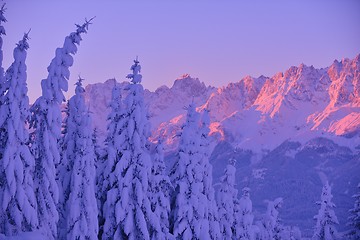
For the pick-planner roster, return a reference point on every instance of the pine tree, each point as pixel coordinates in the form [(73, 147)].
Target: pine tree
[(62, 174), (227, 201), (190, 203), (127, 208), (100, 157), (80, 204), (245, 216), (354, 219), (99, 153), (114, 142), (2, 32), (271, 223), (160, 190), (17, 198), (212, 213), (46, 122), (326, 218)]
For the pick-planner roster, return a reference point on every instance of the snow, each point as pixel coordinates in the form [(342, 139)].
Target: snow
[(77, 173), (326, 218), (194, 201), (128, 170), (46, 130), (36, 235), (288, 132), (18, 204)]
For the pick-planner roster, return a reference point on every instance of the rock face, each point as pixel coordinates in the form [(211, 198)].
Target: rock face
[(290, 131)]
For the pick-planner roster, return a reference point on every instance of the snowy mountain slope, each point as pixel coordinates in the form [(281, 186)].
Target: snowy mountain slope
[(234, 97), (167, 103), (294, 171), (301, 103), (341, 114)]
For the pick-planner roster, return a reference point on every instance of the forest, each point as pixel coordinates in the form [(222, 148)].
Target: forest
[(59, 181)]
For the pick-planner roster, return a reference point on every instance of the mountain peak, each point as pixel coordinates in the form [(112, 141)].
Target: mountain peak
[(190, 86)]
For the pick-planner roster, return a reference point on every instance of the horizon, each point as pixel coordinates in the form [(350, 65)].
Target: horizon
[(216, 43)]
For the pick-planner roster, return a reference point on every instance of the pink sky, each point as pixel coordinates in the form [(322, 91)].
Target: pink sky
[(216, 41)]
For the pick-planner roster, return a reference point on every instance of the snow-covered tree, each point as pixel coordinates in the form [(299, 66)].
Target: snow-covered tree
[(354, 219), (245, 216), (99, 164), (227, 201), (99, 151), (46, 124), (2, 32), (114, 141), (17, 198), (212, 213), (271, 227), (326, 218), (80, 205), (127, 209), (191, 203), (160, 190), (100, 157), (62, 174)]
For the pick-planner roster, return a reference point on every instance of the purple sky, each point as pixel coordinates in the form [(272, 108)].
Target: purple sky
[(216, 41)]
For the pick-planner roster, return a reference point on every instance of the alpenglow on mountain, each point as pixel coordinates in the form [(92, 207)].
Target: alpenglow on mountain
[(289, 132), (301, 103)]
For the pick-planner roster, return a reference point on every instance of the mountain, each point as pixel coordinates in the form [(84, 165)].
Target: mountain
[(289, 132), (164, 105)]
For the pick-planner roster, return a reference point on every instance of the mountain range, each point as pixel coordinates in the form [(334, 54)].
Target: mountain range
[(289, 133)]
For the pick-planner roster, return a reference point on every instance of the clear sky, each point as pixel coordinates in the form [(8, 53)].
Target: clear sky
[(216, 41)]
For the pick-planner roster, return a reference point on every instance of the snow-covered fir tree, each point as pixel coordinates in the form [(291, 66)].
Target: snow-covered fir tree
[(80, 205), (212, 213), (354, 218), (17, 198), (227, 201), (245, 216), (190, 203), (106, 180), (2, 32), (46, 124), (100, 157), (99, 151), (271, 227), (326, 218), (160, 190), (127, 209), (62, 174)]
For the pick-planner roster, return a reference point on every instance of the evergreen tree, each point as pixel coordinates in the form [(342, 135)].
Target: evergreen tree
[(227, 201), (245, 216), (127, 209), (80, 204), (114, 142), (354, 219), (46, 122), (99, 165), (212, 213), (326, 218), (99, 153), (160, 190), (271, 224), (62, 173), (2, 32), (190, 203), (17, 198)]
